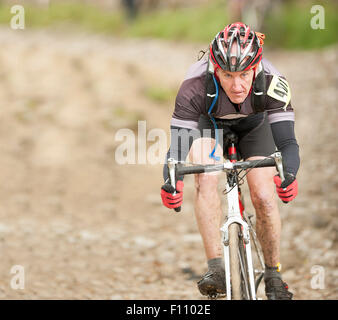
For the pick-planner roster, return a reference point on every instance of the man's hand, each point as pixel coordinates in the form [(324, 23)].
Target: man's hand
[(287, 190), (169, 200)]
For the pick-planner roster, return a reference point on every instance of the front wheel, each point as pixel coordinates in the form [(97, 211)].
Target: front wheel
[(238, 264), (235, 268)]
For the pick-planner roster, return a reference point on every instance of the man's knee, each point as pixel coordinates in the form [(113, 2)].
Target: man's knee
[(262, 190), (206, 183), (263, 200)]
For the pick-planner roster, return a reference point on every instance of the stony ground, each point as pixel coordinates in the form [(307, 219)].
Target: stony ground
[(84, 227)]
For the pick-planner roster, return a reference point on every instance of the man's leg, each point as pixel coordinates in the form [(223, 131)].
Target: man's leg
[(208, 216), (207, 202), (268, 222), (268, 228)]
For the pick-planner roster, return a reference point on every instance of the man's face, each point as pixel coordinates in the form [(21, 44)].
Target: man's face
[(236, 84)]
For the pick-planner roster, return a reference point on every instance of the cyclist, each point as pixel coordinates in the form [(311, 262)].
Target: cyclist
[(233, 89)]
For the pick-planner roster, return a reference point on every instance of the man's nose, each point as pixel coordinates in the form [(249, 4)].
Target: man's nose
[(236, 84)]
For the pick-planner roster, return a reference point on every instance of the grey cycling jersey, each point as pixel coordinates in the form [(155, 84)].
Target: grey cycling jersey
[(191, 98)]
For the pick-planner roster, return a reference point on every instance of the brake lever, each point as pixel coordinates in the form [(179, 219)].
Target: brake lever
[(171, 168), (279, 164)]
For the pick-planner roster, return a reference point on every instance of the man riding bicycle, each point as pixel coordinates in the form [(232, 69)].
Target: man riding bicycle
[(234, 90)]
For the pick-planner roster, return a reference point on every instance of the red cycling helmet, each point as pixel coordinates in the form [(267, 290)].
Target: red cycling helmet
[(237, 41)]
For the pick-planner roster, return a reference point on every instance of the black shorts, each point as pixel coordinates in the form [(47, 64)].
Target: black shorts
[(253, 132)]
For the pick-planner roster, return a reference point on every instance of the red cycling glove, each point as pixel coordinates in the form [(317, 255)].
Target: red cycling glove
[(169, 200), (287, 190)]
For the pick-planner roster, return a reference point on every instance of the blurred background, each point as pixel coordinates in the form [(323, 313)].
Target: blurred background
[(84, 227)]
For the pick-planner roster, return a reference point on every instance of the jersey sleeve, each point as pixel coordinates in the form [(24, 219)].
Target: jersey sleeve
[(189, 104), (278, 104), (278, 95), (190, 99)]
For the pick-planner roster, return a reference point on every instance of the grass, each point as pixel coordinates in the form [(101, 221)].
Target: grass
[(86, 16), (291, 28), (160, 94), (199, 24), (288, 28)]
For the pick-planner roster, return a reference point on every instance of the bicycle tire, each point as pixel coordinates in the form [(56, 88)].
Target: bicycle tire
[(245, 287), (235, 268)]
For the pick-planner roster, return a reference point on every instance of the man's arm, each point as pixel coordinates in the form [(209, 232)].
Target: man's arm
[(180, 144), (285, 140), (282, 118), (189, 105), (181, 141)]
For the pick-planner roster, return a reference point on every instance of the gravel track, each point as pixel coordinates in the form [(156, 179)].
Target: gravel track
[(84, 227)]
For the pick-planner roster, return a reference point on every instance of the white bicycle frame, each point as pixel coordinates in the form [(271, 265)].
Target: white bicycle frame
[(234, 216)]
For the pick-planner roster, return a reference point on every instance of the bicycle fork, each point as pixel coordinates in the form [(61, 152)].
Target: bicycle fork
[(234, 216)]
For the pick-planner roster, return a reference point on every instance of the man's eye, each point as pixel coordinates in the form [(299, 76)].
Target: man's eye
[(227, 75), (244, 74)]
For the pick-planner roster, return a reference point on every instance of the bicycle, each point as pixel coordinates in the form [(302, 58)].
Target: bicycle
[(242, 278)]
